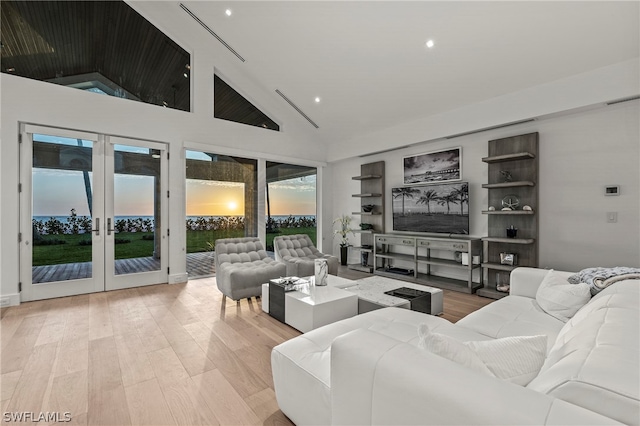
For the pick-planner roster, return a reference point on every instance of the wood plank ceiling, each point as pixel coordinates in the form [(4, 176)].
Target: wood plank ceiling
[(47, 40)]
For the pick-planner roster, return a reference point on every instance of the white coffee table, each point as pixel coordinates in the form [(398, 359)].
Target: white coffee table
[(313, 306)]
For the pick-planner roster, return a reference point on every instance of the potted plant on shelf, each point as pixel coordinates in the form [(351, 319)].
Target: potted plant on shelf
[(343, 231)]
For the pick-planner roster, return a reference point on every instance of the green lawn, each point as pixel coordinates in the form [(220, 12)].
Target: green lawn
[(72, 251)]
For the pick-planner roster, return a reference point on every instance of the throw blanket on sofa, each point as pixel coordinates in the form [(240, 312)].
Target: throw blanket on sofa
[(600, 278)]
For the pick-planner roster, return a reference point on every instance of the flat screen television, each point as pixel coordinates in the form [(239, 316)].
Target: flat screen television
[(441, 208)]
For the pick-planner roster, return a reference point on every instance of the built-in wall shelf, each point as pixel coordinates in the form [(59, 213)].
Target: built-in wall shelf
[(490, 293), (499, 266), (515, 157), (365, 177), (509, 157), (516, 212), (372, 193), (514, 184), (360, 248)]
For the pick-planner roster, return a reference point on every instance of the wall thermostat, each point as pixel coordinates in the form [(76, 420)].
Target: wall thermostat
[(612, 190)]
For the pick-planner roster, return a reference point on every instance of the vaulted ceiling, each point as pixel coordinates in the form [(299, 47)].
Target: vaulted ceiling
[(368, 62)]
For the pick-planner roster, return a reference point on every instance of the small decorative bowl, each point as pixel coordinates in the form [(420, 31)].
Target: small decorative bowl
[(365, 226), (367, 208)]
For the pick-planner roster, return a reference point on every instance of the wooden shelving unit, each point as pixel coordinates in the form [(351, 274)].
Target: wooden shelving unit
[(519, 156), (371, 192)]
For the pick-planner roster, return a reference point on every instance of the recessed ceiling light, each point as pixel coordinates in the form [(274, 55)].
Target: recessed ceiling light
[(185, 75), (430, 43), (317, 99), (228, 12)]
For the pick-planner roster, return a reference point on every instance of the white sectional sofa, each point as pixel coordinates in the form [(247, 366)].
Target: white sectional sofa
[(370, 369)]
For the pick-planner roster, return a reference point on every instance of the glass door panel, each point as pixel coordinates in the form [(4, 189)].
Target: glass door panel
[(290, 201), (221, 203), (60, 217), (136, 210)]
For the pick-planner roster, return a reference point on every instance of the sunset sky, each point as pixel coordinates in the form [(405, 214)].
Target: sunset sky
[(56, 192)]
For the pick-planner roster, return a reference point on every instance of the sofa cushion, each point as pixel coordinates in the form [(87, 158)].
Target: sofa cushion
[(560, 299), (595, 361), (512, 316), (517, 359), (450, 348)]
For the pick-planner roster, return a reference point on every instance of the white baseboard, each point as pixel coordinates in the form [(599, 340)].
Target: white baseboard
[(9, 300), (178, 278)]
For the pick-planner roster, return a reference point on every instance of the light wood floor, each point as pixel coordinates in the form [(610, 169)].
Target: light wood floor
[(164, 354)]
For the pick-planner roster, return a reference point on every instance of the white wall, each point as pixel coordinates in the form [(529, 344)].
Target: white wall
[(580, 153), (31, 101)]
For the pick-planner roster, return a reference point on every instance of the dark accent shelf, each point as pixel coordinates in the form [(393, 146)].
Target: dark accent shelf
[(493, 294), (509, 184), (499, 266), (359, 267), (508, 157), (365, 177), (366, 213), (367, 195), (516, 212), (369, 250)]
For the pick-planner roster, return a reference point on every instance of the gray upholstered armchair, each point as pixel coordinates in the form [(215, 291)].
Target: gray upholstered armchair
[(242, 266), (298, 253)]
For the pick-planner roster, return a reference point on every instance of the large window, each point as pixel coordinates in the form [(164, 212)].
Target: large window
[(221, 203), (100, 46), (232, 106), (290, 201)]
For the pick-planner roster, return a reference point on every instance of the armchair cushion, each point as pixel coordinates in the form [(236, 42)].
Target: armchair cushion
[(242, 266), (298, 253)]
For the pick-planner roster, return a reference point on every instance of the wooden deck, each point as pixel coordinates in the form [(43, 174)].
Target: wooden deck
[(198, 265)]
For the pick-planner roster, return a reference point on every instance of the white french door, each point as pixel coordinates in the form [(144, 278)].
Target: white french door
[(93, 213)]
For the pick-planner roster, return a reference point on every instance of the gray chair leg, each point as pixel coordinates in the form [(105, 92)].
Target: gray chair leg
[(224, 299)]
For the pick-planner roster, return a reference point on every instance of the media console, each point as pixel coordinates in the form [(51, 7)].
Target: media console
[(430, 260)]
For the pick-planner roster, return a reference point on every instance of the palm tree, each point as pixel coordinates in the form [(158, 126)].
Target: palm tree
[(428, 196), (87, 184), (447, 200), (405, 193), (462, 194)]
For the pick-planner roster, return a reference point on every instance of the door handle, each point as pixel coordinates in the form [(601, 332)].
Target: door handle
[(109, 230), (97, 230)]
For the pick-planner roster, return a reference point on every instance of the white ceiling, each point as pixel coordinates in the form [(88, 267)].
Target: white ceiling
[(368, 62)]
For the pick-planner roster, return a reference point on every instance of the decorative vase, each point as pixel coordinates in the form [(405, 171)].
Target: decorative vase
[(343, 254), (364, 258), (321, 269)]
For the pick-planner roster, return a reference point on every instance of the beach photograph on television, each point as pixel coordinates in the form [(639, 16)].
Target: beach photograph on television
[(439, 208), (436, 167)]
